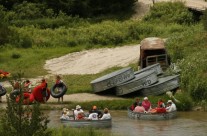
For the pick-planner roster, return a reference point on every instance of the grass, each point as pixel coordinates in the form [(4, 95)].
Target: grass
[(79, 132), (186, 42)]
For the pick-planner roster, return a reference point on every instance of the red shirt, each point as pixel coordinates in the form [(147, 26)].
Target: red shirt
[(161, 110), (146, 105), (43, 84), (159, 103)]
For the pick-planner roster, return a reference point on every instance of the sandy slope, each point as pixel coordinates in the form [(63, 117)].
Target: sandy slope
[(90, 62), (93, 61)]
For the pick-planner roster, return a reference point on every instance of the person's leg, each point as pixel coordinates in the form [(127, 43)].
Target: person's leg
[(44, 99), (62, 98)]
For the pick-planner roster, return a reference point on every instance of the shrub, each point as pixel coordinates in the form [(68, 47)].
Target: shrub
[(186, 103), (27, 10), (204, 20), (26, 42), (15, 55), (23, 120), (170, 12)]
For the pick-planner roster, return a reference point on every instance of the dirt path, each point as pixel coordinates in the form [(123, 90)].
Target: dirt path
[(195, 4), (80, 97)]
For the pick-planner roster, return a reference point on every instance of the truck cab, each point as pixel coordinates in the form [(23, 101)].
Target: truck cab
[(152, 51)]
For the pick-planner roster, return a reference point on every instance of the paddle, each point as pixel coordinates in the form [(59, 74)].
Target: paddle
[(73, 114)]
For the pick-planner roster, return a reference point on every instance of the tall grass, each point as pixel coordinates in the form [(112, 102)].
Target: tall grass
[(79, 132)]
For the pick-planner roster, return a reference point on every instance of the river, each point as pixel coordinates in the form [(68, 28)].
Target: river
[(192, 123)]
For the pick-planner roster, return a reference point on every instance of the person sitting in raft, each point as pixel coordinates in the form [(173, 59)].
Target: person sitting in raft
[(146, 104), (28, 86), (59, 83), (170, 106), (137, 100), (65, 116), (66, 110), (78, 112), (139, 108), (160, 102), (92, 115), (95, 110), (106, 114), (159, 109)]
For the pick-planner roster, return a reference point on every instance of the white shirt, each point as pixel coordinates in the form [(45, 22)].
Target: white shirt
[(106, 116), (93, 116), (76, 112), (64, 116), (172, 107)]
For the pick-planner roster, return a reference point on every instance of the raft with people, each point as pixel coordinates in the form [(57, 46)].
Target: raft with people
[(107, 123), (95, 118), (151, 116)]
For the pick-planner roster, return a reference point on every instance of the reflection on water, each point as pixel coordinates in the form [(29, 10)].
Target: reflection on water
[(187, 123)]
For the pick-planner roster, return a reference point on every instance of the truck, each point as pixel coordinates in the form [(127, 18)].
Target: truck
[(152, 51)]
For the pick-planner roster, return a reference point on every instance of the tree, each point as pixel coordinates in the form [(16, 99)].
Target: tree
[(23, 120)]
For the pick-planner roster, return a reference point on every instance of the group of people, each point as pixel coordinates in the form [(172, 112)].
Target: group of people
[(146, 107), (26, 86), (93, 114)]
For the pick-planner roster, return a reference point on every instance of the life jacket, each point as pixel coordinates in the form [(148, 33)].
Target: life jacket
[(161, 110), (132, 107), (80, 116)]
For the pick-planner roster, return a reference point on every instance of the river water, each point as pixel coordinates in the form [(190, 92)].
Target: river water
[(192, 123)]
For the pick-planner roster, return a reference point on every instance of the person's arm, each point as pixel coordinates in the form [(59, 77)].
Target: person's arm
[(103, 117), (169, 109)]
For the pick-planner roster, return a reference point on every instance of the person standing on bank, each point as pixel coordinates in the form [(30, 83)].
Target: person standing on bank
[(59, 84), (44, 89)]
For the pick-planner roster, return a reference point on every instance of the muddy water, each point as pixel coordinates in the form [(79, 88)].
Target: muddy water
[(186, 124)]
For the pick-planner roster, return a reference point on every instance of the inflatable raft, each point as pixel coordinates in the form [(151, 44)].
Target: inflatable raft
[(2, 90), (38, 94), (28, 98), (58, 91)]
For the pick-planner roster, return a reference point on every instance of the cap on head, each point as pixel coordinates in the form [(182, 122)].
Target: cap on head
[(78, 107), (169, 101), (145, 98)]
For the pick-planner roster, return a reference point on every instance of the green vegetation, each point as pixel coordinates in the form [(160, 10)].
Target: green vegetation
[(78, 132), (18, 120), (185, 103), (26, 42)]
